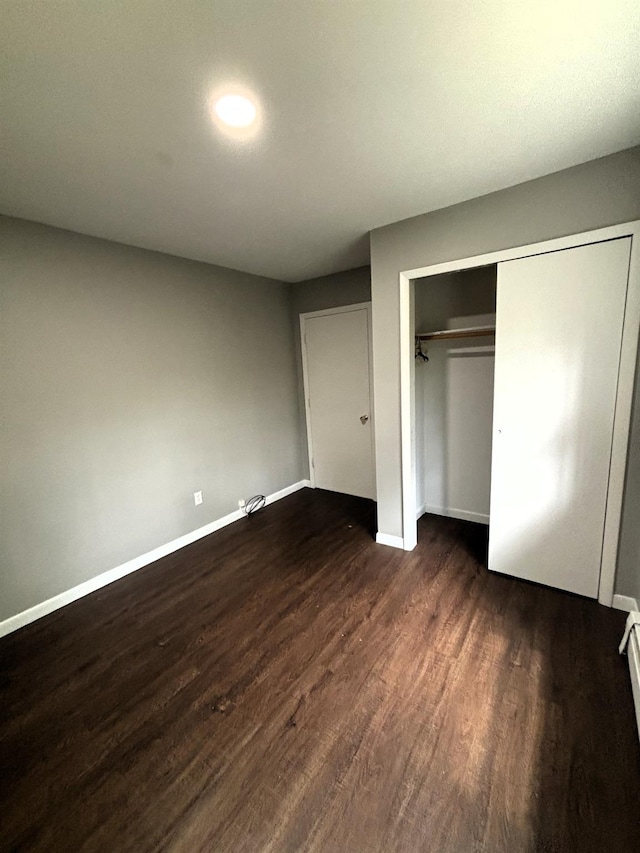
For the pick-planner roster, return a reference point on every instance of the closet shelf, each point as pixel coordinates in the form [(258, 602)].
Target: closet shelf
[(449, 334)]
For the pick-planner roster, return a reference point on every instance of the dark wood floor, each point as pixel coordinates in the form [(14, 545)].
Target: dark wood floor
[(287, 685)]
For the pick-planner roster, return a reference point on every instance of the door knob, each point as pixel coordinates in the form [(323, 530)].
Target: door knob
[(364, 419)]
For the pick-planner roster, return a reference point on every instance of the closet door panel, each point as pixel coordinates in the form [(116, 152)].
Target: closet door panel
[(558, 335)]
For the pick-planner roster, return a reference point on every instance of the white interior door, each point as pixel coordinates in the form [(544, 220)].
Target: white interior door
[(336, 359), (558, 336)]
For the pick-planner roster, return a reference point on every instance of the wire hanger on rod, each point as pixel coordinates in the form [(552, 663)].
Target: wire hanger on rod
[(419, 351)]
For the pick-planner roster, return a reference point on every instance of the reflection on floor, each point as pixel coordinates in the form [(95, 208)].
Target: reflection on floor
[(286, 684)]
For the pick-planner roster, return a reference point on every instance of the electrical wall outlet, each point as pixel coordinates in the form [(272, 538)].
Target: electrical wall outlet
[(242, 503), (197, 498)]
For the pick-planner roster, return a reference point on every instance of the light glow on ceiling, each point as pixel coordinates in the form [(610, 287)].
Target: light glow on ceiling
[(236, 111)]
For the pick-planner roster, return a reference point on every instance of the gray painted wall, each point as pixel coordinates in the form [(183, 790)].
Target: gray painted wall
[(131, 379), (593, 195), (331, 291)]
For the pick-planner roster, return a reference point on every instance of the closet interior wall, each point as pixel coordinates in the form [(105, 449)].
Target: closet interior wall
[(454, 395)]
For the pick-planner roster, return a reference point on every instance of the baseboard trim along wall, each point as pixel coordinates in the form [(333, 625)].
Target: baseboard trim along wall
[(625, 602), (391, 541), (631, 644), (39, 610), (452, 512), (633, 652)]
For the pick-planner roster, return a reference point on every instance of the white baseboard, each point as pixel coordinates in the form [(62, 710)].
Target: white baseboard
[(58, 601), (624, 602), (633, 653), (452, 512), (288, 490), (391, 541)]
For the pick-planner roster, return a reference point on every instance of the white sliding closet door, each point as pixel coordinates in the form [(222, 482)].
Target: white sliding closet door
[(559, 329)]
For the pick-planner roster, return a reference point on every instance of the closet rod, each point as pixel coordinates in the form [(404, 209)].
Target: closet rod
[(449, 334)]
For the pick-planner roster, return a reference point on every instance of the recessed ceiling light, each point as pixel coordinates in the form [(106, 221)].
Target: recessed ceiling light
[(235, 110)]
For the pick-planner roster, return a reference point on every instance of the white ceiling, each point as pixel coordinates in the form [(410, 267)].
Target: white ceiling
[(373, 111)]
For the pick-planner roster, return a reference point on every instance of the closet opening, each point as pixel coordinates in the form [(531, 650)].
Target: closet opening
[(454, 334), (568, 314)]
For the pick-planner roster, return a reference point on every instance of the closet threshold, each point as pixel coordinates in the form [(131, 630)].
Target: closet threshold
[(450, 334)]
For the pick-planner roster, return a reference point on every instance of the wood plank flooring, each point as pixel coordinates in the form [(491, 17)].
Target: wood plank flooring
[(288, 685)]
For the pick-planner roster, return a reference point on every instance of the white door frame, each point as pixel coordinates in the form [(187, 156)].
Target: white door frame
[(343, 309), (624, 394)]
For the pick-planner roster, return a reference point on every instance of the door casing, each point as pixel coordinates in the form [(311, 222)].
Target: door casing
[(624, 394)]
